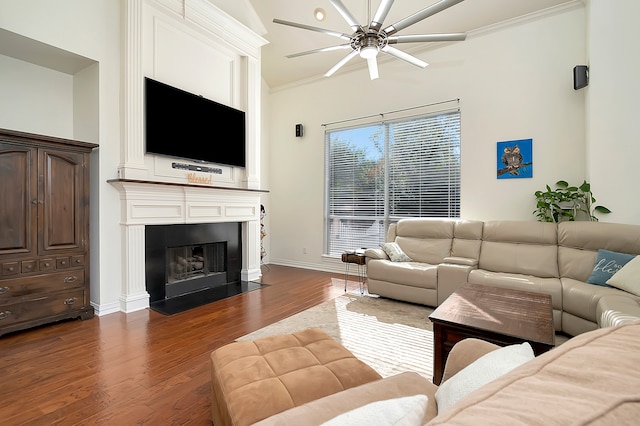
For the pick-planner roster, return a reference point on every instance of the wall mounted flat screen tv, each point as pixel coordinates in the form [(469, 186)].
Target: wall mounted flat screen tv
[(185, 125)]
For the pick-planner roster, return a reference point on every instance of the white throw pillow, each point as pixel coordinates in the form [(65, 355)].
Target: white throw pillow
[(395, 253), (628, 278), (405, 411), (480, 372)]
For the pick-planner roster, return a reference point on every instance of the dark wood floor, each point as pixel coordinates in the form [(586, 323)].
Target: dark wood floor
[(142, 367)]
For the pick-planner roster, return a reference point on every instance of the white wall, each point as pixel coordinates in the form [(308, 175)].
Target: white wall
[(80, 104), (513, 81), (30, 90), (614, 89)]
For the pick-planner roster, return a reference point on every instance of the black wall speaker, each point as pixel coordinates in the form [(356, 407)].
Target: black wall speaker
[(299, 130), (580, 76)]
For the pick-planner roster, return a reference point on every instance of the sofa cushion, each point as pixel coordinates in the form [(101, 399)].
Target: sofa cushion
[(414, 274), (581, 299), (628, 278), (480, 372), (404, 411), (607, 264), (395, 253), (424, 240), (520, 247), (590, 379)]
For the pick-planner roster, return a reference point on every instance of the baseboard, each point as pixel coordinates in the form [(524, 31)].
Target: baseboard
[(106, 308), (332, 265)]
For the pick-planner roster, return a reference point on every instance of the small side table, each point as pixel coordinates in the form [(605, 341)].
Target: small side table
[(355, 257)]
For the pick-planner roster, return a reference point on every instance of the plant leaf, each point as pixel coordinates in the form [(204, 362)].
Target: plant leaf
[(602, 209)]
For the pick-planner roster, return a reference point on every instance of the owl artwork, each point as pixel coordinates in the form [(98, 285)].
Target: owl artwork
[(512, 159)]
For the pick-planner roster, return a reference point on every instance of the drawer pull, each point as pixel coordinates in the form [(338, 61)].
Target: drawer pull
[(70, 279), (47, 264), (4, 314), (77, 260), (63, 262), (10, 268), (3, 290), (70, 301)]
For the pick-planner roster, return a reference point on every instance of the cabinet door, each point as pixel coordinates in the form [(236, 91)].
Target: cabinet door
[(62, 206), (18, 200)]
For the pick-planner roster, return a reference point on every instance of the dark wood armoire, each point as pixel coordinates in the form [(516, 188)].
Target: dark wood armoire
[(44, 230)]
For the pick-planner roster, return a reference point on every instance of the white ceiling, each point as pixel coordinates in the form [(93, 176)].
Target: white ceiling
[(277, 70)]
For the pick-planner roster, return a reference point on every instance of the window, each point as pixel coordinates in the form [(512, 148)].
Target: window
[(380, 173)]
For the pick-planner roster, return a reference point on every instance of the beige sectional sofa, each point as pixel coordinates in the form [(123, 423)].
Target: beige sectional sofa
[(555, 259), (591, 379)]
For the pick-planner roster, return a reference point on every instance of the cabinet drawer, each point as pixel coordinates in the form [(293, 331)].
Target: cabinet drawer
[(10, 269), (48, 305), (62, 262), (46, 265), (25, 286), (28, 266), (77, 260)]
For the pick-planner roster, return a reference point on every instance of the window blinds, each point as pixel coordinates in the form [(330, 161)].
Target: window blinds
[(377, 174)]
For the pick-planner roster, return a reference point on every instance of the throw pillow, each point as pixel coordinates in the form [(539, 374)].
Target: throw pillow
[(405, 411), (607, 264), (395, 253), (628, 278), (480, 372)]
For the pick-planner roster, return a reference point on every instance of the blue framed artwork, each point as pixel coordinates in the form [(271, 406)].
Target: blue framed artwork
[(515, 159)]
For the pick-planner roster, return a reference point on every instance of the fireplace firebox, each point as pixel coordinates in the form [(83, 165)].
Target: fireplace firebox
[(183, 259)]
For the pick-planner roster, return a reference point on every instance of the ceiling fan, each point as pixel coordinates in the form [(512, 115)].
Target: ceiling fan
[(368, 41)]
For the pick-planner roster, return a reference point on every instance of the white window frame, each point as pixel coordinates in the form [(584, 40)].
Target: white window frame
[(408, 167)]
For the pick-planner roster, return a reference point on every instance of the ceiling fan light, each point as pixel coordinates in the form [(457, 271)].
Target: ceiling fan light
[(368, 52)]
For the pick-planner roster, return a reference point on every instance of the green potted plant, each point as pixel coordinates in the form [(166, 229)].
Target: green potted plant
[(567, 203)]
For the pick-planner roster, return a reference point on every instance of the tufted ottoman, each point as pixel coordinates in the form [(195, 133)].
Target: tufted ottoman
[(255, 380)]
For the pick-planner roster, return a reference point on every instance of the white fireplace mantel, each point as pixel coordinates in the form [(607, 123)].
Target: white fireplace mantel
[(156, 203)]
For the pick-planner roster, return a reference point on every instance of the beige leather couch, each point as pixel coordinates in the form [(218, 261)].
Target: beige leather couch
[(591, 379), (554, 259)]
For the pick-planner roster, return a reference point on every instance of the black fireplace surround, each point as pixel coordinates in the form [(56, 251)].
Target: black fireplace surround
[(188, 258)]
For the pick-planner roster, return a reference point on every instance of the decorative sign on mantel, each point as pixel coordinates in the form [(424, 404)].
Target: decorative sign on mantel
[(199, 179)]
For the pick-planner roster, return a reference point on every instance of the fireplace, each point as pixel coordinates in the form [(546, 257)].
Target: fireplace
[(186, 265), (174, 208), (184, 259)]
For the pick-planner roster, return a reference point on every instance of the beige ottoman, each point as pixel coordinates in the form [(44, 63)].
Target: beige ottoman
[(255, 380)]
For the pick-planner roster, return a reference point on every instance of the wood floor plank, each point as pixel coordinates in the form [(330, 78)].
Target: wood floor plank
[(142, 367)]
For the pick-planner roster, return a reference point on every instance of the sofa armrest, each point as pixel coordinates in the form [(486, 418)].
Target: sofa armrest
[(450, 277), (613, 310), (464, 353), (466, 261), (375, 253), (328, 407)]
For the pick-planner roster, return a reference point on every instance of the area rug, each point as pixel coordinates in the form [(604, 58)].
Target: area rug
[(390, 336)]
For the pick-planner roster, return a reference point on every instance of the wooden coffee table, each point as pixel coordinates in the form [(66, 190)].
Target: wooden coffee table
[(499, 315)]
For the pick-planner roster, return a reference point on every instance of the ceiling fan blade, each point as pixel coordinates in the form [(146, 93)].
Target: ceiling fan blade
[(342, 10), (324, 49), (420, 15), (343, 61), (317, 29), (381, 14), (372, 64), (404, 56), (427, 38)]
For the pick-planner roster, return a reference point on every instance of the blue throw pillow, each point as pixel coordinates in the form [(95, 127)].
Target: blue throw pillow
[(607, 264)]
